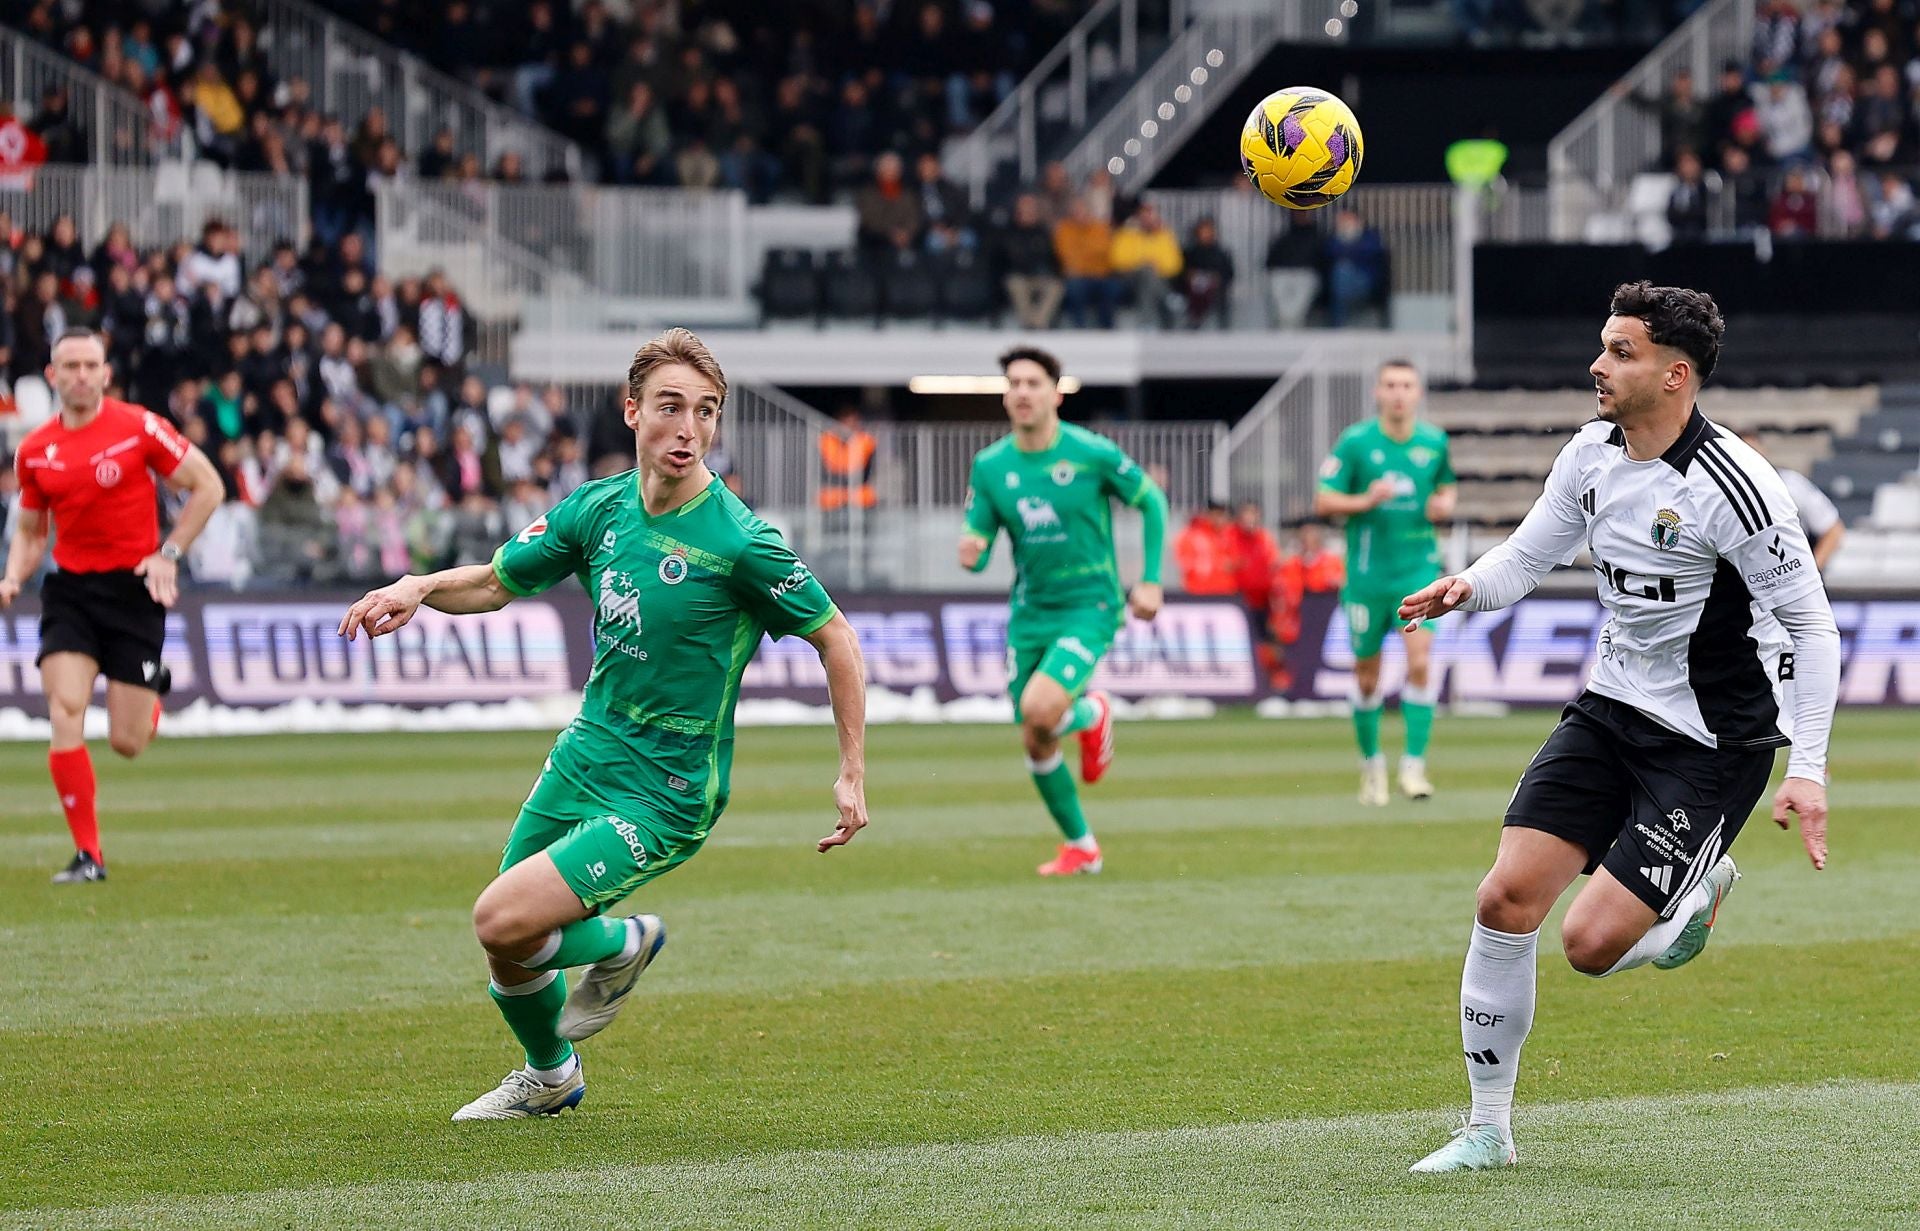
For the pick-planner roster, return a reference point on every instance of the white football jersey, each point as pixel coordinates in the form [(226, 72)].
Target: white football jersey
[(1693, 550)]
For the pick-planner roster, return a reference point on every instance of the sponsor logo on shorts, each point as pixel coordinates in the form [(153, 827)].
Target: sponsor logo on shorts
[(1076, 647), (1660, 878), (1678, 819), (630, 834), (676, 782), (1659, 841)]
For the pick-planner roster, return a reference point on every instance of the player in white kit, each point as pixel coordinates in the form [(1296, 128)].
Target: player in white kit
[(1713, 601)]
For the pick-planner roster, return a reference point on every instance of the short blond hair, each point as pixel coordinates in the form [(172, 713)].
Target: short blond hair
[(676, 345)]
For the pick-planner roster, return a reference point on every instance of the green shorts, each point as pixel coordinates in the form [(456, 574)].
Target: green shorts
[(1066, 654), (1375, 611), (604, 852)]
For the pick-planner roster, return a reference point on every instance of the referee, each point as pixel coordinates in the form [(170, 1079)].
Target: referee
[(89, 472)]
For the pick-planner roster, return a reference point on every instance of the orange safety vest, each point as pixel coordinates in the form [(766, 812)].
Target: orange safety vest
[(848, 461)]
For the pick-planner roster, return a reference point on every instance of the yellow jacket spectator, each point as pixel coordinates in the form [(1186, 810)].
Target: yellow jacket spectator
[(1147, 241), (215, 99), (1083, 243)]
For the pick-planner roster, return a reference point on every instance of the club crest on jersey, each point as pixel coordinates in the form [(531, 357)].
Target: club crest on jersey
[(1420, 455), (1666, 529), (1063, 473), (673, 569), (107, 473), (1013, 480)]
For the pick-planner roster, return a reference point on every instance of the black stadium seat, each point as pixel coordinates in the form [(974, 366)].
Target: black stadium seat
[(849, 287), (968, 290), (789, 286), (907, 285)]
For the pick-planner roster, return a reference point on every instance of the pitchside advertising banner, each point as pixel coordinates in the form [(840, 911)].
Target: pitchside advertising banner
[(260, 651)]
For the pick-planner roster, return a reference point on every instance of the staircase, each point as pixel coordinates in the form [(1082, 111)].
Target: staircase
[(351, 72)]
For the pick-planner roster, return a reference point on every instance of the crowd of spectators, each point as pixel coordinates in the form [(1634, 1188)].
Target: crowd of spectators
[(1227, 553), (1816, 134), (792, 101), (336, 402)]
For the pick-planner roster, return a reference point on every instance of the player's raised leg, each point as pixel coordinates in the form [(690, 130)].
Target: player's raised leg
[(1416, 707), (68, 680), (1497, 990), (132, 717), (1044, 706)]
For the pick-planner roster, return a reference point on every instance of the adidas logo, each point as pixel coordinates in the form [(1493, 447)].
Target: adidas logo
[(1661, 877), (1483, 1057)]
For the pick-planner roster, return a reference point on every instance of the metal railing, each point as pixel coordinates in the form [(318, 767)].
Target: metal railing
[(1061, 88), (1185, 85), (1593, 160), (665, 244), (351, 71), (165, 204), (1272, 456), (117, 129)]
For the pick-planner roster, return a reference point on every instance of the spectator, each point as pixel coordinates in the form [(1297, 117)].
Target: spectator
[(1786, 119), (1356, 264), (1208, 282), (1687, 203), (1084, 248), (1728, 105), (569, 467), (1293, 271), (890, 218), (517, 450), (1057, 196), (1846, 199), (63, 140), (295, 545), (1893, 213), (467, 470), (846, 464), (576, 100), (445, 328), (1204, 550), (1746, 190), (943, 208), (440, 158), (394, 375), (478, 528), (1256, 557), (1146, 253), (638, 141), (1029, 270), (524, 504), (1879, 119), (1794, 215)]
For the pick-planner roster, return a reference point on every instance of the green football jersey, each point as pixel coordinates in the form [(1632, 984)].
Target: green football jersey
[(680, 603), (1393, 539), (1055, 506)]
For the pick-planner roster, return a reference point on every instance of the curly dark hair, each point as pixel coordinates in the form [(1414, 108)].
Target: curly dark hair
[(1045, 359), (1688, 321)]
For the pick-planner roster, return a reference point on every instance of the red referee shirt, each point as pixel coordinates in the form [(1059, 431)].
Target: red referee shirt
[(98, 482)]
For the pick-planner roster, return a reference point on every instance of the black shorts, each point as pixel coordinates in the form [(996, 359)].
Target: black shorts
[(1653, 807), (109, 617)]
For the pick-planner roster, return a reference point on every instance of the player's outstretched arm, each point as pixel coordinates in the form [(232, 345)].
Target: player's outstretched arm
[(839, 648), (1809, 622), (1434, 600), (456, 591), (24, 554)]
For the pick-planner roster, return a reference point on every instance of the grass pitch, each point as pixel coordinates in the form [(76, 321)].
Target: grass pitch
[(266, 1016)]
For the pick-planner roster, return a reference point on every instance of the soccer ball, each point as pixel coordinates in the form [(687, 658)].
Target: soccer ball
[(1301, 147)]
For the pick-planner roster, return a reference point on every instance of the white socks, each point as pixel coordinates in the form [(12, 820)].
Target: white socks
[(1496, 1012), (557, 1076), (1662, 933), (1084, 844)]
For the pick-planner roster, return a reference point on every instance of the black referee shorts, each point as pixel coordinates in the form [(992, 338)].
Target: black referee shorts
[(109, 617), (1655, 808)]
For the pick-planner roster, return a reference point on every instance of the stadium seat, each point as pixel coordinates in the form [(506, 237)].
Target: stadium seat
[(849, 287), (789, 285), (909, 287), (968, 290)]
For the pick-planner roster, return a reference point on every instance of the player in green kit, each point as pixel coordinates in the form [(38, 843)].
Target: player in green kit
[(1392, 479), (1050, 485), (685, 580)]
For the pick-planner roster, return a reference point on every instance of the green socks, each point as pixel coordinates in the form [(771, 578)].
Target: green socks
[(1055, 783), (1080, 716), (1416, 706), (1366, 724), (583, 943), (532, 1011)]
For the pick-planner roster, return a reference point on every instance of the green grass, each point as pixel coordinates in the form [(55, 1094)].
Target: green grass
[(266, 1016)]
